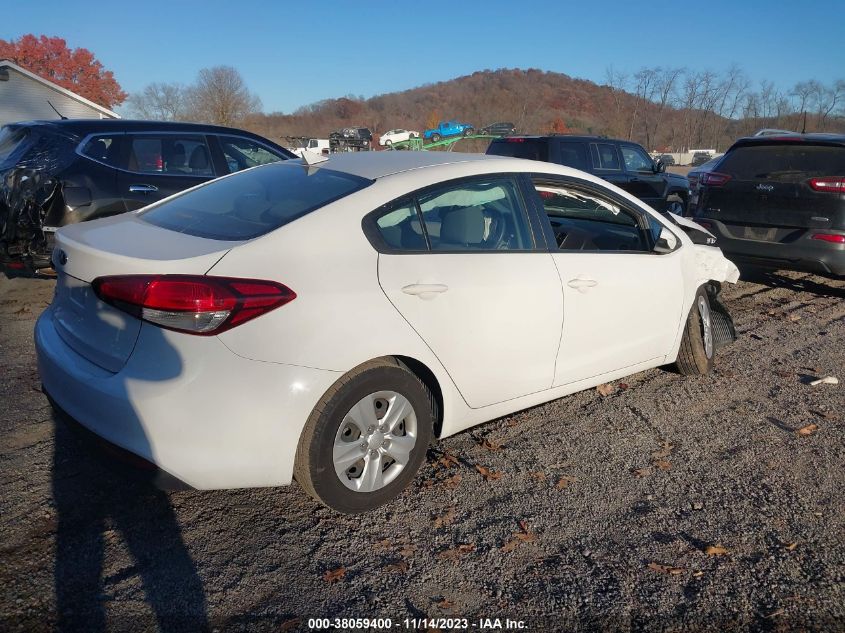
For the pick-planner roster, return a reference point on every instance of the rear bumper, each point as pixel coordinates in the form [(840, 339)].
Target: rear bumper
[(804, 254), (187, 405)]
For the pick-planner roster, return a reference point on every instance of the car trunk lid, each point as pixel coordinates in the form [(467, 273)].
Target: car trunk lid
[(123, 245)]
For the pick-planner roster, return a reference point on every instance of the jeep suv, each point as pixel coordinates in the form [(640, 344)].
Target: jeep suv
[(779, 202), (623, 163)]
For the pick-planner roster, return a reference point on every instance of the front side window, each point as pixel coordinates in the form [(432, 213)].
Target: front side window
[(636, 159), (605, 156), (252, 203), (583, 220), (242, 153), (479, 215), (103, 149), (173, 154)]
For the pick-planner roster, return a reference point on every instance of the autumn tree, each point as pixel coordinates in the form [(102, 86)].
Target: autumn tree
[(220, 96), (75, 69)]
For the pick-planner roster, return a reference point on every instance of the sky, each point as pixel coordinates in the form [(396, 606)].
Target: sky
[(295, 53)]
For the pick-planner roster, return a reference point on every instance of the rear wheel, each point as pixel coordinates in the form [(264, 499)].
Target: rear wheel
[(695, 357), (469, 131), (435, 138), (366, 438), (388, 142)]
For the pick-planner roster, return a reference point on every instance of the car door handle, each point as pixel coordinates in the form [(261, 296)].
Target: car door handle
[(142, 188), (425, 291), (582, 284)]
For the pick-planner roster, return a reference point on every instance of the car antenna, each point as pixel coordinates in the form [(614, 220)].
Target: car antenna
[(61, 116)]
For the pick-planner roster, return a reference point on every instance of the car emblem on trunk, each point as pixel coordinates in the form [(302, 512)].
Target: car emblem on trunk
[(762, 187)]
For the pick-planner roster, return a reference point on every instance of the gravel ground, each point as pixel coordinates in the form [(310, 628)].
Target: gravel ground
[(671, 504)]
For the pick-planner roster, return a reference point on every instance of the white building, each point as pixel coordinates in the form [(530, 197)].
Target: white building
[(24, 96)]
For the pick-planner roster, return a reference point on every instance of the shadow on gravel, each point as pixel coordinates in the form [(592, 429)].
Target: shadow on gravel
[(105, 500), (813, 284)]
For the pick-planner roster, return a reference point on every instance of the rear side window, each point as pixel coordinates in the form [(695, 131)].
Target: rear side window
[(574, 155), (242, 153), (605, 156), (11, 139), (182, 155), (103, 149), (790, 162), (532, 149), (401, 229), (253, 203)]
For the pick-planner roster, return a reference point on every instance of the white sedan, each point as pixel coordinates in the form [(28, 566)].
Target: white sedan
[(325, 322), (395, 136)]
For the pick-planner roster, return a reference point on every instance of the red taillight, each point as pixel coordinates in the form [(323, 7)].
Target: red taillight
[(514, 139), (829, 237), (193, 304), (714, 179), (831, 184)]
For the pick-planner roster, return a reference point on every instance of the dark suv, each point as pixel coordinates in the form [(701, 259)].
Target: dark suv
[(623, 163), (54, 173), (779, 201)]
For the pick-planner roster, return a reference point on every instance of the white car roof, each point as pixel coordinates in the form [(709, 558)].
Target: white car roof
[(374, 165)]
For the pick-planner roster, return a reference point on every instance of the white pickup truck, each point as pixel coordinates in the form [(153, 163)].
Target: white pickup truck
[(314, 145)]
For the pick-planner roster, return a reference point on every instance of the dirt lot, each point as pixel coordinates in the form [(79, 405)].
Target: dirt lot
[(670, 504)]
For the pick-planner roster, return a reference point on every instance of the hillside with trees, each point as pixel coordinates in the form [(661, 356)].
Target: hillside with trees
[(669, 109)]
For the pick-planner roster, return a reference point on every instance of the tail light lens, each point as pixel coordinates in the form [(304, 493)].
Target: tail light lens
[(194, 304), (829, 237), (714, 179), (514, 139), (831, 184)]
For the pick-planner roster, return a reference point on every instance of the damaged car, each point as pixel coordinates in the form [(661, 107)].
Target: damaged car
[(54, 173), (324, 320)]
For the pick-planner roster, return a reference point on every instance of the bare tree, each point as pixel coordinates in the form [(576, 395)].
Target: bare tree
[(220, 96), (160, 102), (618, 83)]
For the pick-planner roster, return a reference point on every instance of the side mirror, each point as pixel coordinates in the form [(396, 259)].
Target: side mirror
[(659, 166), (666, 242)]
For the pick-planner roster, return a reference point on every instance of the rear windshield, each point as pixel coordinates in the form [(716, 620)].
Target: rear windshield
[(790, 162), (254, 202), (530, 148), (10, 140)]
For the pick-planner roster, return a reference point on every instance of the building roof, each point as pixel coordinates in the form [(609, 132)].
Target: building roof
[(5, 63)]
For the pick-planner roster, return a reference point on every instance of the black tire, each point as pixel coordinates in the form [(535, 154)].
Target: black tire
[(435, 138), (469, 131), (693, 357), (676, 204), (314, 468), (388, 142)]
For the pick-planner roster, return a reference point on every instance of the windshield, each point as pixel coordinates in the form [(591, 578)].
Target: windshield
[(254, 202)]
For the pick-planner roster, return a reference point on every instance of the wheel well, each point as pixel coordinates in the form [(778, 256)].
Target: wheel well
[(678, 192), (429, 380)]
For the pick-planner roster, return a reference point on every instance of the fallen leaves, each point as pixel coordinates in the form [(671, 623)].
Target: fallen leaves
[(790, 546), (525, 535), (489, 475), (666, 569), (447, 460), (334, 575), (659, 457), (452, 482), (641, 472), (445, 604), (827, 415), (456, 553), (606, 389), (447, 518), (492, 445), (290, 625), (564, 481), (662, 464), (538, 476), (804, 431), (716, 550)]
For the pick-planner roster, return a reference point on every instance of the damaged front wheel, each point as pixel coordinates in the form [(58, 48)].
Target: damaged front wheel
[(695, 357)]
